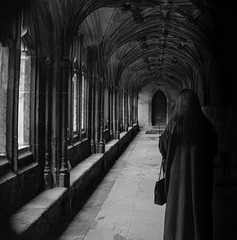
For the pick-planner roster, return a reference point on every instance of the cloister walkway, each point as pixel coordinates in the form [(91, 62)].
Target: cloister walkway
[(121, 207)]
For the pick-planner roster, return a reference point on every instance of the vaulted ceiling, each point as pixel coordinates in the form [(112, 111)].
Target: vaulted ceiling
[(159, 41), (136, 42)]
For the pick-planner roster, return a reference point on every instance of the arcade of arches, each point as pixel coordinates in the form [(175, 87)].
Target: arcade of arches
[(76, 75)]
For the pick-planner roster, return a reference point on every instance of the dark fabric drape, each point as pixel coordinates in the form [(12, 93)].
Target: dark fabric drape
[(189, 184)]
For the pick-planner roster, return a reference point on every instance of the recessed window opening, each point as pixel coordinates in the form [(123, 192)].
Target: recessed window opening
[(4, 68), (24, 99), (83, 105), (75, 103)]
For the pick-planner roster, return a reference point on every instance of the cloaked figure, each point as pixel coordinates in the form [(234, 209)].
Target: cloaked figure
[(188, 146)]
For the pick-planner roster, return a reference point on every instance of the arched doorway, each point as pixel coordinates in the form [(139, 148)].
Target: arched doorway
[(159, 109)]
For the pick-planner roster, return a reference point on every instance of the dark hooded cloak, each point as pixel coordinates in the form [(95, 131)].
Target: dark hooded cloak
[(188, 155)]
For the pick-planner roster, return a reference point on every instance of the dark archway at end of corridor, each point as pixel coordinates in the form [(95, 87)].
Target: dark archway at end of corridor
[(159, 109)]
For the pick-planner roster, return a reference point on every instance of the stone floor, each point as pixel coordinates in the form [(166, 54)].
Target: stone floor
[(121, 207)]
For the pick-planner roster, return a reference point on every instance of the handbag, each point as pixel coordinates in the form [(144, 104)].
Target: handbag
[(159, 191)]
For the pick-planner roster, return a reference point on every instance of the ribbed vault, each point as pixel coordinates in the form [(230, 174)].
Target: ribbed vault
[(131, 43), (152, 41)]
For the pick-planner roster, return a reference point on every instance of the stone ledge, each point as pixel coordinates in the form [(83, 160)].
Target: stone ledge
[(35, 219), (33, 216)]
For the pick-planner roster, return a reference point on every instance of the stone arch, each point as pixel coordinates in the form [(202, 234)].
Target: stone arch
[(145, 103)]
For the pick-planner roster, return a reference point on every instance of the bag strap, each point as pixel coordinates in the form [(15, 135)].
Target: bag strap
[(161, 166)]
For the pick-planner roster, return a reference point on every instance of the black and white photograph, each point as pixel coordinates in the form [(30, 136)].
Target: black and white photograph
[(118, 120)]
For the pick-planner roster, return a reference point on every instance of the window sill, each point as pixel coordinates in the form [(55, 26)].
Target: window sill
[(6, 173), (5, 168), (25, 160), (77, 142)]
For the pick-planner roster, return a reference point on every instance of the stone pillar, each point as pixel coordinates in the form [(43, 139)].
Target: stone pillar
[(109, 109), (125, 111), (64, 174), (136, 108), (97, 114), (101, 148), (89, 106), (80, 104), (131, 110), (111, 100), (15, 99), (114, 112), (92, 142), (48, 177), (117, 132)]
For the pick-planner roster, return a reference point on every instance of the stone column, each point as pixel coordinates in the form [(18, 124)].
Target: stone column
[(92, 142), (131, 108), (111, 99), (89, 90), (64, 174), (125, 111), (117, 100), (97, 113), (136, 108), (15, 99), (48, 177), (80, 103), (101, 148), (109, 108)]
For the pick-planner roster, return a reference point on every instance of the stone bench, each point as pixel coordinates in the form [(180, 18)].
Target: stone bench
[(36, 218)]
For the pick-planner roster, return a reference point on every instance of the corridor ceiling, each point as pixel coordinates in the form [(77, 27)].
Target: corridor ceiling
[(142, 41), (153, 41)]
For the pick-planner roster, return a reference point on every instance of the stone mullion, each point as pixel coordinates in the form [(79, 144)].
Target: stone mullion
[(121, 110), (101, 148), (97, 113), (64, 175), (70, 110), (55, 131), (136, 109), (111, 112), (109, 108), (77, 102), (87, 92), (131, 108), (92, 142), (10, 105), (80, 104), (89, 105), (15, 99), (117, 111), (126, 111), (48, 177), (114, 111)]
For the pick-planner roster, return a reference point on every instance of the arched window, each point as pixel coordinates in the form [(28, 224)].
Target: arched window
[(74, 106), (24, 101), (78, 106), (75, 96)]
